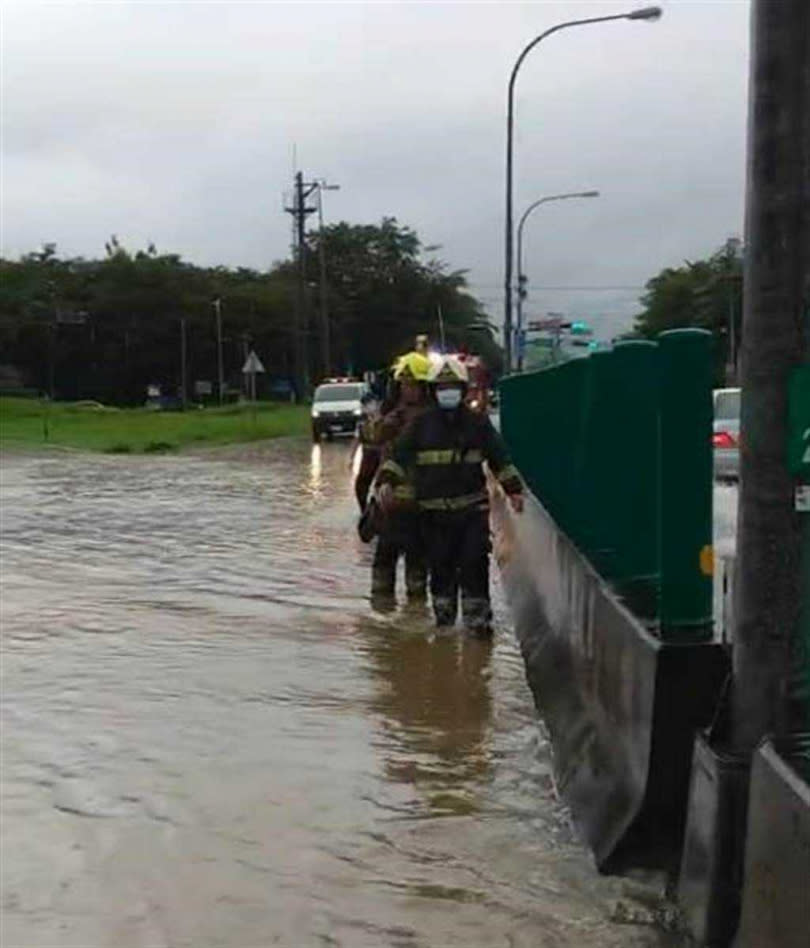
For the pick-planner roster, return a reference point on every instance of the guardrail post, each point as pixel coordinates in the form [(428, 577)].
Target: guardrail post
[(570, 393), (635, 443), (598, 470), (687, 559)]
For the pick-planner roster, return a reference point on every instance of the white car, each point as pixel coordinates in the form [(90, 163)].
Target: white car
[(337, 408), (726, 435)]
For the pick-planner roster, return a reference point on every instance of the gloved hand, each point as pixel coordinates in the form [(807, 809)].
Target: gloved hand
[(385, 497), (516, 502)]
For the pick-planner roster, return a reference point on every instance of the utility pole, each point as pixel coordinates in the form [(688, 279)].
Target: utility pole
[(300, 297), (217, 303), (326, 346), (299, 211), (326, 336), (245, 350), (732, 248), (772, 581), (183, 382)]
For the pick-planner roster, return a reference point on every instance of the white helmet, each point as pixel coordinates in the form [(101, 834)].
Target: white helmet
[(449, 369)]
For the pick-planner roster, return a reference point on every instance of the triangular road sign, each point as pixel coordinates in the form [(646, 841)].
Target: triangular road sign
[(252, 364)]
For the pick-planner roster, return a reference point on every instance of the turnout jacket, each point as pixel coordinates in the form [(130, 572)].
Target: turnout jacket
[(386, 430), (442, 453)]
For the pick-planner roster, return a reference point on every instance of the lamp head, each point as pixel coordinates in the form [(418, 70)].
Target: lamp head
[(646, 13)]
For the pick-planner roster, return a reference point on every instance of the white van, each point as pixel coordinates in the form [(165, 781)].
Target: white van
[(337, 408)]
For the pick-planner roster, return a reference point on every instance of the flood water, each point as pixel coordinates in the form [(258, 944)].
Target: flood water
[(210, 739)]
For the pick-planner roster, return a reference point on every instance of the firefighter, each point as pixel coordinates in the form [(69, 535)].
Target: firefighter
[(445, 448), (399, 532), (365, 440)]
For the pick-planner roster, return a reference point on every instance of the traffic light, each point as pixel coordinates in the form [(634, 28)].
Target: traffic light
[(522, 281), (580, 328)]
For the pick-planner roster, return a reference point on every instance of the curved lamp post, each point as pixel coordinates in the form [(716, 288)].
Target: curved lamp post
[(645, 13), (521, 277)]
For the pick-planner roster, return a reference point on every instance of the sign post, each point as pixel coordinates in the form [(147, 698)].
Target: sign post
[(253, 364)]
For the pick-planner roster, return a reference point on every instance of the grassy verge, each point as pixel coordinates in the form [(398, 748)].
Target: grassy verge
[(137, 430)]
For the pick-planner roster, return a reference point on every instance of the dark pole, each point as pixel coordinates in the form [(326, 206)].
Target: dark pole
[(245, 351), (220, 364), (326, 329), (732, 245), (183, 383), (52, 361), (326, 355), (772, 607), (301, 327), (647, 13), (301, 370)]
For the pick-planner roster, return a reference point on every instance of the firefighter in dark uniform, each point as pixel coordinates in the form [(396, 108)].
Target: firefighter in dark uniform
[(399, 530), (445, 448), (366, 441)]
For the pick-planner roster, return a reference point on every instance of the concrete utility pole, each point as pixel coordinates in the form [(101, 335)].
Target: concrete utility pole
[(732, 250), (326, 335), (217, 304), (299, 211), (773, 558), (183, 350)]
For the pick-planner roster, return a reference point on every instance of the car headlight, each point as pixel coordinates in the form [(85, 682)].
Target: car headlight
[(315, 412), (358, 412)]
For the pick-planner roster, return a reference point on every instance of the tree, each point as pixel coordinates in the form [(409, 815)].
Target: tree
[(107, 328), (382, 293), (704, 293)]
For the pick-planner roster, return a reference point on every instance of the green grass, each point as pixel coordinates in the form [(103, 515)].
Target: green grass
[(93, 427)]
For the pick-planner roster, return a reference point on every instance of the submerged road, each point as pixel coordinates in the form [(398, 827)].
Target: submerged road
[(209, 738)]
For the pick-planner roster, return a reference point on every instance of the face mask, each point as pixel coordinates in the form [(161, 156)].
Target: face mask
[(448, 398)]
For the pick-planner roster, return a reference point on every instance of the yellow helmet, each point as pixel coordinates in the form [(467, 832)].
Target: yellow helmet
[(449, 369), (413, 366)]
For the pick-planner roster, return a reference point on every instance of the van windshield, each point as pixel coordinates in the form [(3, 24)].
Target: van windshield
[(727, 405), (338, 393)]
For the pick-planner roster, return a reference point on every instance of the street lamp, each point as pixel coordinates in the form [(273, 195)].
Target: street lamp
[(521, 276), (645, 13)]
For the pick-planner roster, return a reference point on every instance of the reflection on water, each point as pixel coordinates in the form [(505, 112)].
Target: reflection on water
[(356, 462), (436, 707), (210, 739), (315, 470)]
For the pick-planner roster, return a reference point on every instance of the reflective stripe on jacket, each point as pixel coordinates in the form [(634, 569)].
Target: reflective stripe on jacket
[(444, 452), (386, 430)]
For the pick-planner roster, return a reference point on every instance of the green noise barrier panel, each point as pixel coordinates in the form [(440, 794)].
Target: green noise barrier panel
[(617, 448)]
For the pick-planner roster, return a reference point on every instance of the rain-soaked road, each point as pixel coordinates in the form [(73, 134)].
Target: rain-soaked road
[(210, 739)]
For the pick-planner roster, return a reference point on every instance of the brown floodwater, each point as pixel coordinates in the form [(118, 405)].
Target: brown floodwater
[(210, 739)]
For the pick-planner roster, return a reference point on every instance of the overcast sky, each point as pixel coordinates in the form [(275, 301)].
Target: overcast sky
[(176, 123)]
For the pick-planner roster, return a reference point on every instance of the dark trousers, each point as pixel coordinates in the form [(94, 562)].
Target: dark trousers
[(457, 545), (400, 535)]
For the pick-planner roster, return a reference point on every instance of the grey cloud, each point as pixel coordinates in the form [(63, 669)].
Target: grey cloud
[(175, 123)]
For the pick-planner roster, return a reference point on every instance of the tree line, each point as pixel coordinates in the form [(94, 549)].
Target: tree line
[(705, 294), (107, 328)]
